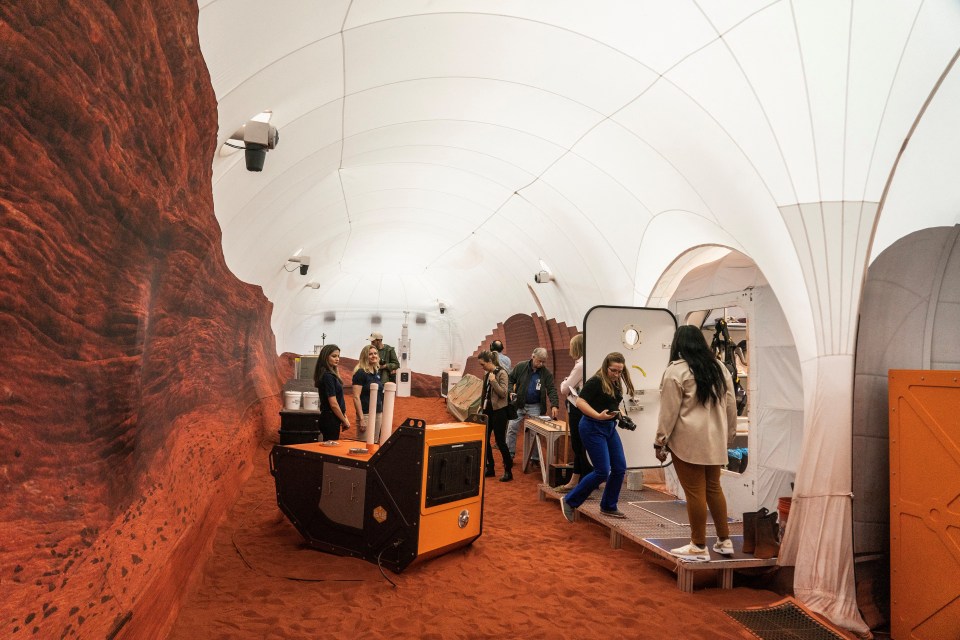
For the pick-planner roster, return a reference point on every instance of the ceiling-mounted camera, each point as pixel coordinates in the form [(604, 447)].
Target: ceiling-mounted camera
[(443, 308), (258, 137), (542, 277), (304, 266)]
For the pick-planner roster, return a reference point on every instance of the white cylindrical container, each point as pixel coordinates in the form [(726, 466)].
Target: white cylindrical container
[(311, 401), (372, 414), (291, 400), (389, 394)]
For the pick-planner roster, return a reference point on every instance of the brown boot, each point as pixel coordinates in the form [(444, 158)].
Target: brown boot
[(767, 544), (750, 529)]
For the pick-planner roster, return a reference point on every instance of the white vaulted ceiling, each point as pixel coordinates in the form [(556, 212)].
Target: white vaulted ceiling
[(440, 150)]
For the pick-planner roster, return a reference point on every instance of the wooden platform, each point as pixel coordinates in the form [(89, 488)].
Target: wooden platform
[(658, 535)]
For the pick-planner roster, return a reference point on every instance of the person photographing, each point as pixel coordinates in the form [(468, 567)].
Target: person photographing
[(599, 402)]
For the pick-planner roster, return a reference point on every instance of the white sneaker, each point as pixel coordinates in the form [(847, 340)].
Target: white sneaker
[(691, 552), (723, 547)]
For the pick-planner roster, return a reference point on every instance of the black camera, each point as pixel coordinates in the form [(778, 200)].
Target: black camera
[(627, 423)]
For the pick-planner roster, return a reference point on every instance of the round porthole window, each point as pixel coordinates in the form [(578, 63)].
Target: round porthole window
[(631, 337)]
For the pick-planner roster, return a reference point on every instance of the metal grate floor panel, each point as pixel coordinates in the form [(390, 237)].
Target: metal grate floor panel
[(783, 621)]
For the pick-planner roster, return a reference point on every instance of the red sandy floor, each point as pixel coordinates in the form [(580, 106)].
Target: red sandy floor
[(530, 574)]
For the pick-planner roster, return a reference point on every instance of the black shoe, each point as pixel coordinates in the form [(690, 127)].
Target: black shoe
[(489, 473), (616, 513), (507, 476)]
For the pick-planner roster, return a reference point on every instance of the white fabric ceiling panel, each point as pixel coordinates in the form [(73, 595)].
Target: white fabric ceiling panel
[(876, 48), (530, 54), (481, 189), (242, 38), (765, 46), (516, 147), (543, 219), (456, 160), (823, 28), (640, 168), (519, 107), (715, 82), (654, 32), (690, 140), (600, 204), (436, 204)]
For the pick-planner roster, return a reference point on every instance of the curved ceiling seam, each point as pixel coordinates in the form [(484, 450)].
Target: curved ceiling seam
[(343, 89), (504, 16), (663, 76), (737, 24), (519, 232), (247, 78), (573, 241), (420, 189), (435, 164), (346, 208), (500, 159), (467, 171), (610, 117), (816, 167), (763, 110), (253, 204), (527, 85), (779, 147), (496, 125), (886, 103)]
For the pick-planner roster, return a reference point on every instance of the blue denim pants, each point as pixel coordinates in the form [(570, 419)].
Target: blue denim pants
[(513, 427), (602, 443)]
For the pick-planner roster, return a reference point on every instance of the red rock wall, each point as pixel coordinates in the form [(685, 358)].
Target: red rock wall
[(136, 372)]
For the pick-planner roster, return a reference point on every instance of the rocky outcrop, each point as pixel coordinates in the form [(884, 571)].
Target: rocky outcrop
[(137, 373)]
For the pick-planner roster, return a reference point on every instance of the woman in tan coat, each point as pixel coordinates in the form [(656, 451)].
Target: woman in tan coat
[(698, 420)]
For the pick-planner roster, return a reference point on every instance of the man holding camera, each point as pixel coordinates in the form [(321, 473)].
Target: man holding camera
[(530, 386)]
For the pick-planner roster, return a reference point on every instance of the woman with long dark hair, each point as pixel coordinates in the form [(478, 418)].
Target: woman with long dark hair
[(697, 423), (599, 402), (333, 408), (493, 402)]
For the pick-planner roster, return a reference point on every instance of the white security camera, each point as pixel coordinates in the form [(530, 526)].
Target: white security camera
[(542, 277), (443, 308), (258, 138), (304, 263)]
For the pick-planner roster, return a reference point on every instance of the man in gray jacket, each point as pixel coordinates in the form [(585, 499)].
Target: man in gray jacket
[(530, 386)]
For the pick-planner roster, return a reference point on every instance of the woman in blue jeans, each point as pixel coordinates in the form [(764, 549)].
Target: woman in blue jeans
[(599, 402)]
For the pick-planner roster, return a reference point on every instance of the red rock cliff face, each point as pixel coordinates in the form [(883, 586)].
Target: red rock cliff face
[(135, 369)]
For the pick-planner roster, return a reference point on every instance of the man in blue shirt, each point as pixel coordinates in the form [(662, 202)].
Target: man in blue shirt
[(530, 386)]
